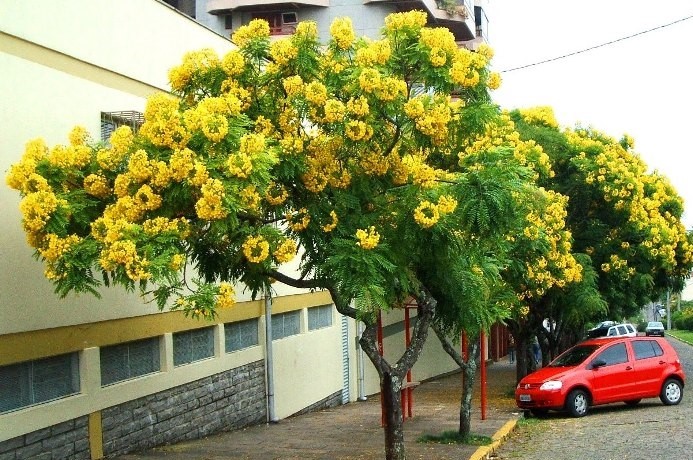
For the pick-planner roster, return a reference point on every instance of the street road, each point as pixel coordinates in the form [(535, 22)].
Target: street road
[(648, 431)]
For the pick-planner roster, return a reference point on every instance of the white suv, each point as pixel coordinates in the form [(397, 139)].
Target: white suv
[(622, 330)]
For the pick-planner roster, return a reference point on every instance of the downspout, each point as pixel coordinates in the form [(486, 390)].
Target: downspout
[(269, 362), (360, 361)]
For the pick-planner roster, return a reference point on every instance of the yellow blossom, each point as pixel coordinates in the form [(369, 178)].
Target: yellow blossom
[(367, 239)]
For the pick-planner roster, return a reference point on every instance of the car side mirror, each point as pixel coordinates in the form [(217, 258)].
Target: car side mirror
[(597, 363)]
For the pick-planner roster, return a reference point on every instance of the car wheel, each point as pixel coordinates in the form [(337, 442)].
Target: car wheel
[(633, 402), (577, 403), (672, 392), (539, 412)]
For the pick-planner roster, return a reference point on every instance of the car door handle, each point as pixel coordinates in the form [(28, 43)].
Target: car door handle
[(629, 368), (662, 362)]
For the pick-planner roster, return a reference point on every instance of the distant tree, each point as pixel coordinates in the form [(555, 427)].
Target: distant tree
[(341, 155), (627, 220)]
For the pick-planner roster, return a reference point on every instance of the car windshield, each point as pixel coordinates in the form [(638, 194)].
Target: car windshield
[(574, 356), (655, 324)]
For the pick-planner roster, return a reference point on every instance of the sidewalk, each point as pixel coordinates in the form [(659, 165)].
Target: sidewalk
[(353, 431)]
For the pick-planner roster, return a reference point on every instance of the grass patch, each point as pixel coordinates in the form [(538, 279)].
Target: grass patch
[(528, 422), (686, 336), (453, 437)]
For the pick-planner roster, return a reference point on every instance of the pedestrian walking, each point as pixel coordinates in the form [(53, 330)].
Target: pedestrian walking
[(536, 349), (511, 349)]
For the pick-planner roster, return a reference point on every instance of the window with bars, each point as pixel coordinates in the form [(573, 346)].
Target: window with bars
[(112, 120), (191, 346), (319, 317), (286, 324), (42, 380), (242, 334), (129, 360)]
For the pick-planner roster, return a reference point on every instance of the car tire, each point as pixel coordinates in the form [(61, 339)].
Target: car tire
[(577, 403), (672, 392), (633, 402)]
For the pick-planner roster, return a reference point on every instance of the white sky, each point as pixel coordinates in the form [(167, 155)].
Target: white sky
[(642, 86)]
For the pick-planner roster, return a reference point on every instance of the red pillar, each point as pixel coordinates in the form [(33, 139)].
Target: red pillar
[(482, 338)]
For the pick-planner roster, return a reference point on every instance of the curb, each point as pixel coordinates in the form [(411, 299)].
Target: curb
[(484, 452)]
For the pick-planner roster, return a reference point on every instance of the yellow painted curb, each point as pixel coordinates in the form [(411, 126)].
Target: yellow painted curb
[(483, 452)]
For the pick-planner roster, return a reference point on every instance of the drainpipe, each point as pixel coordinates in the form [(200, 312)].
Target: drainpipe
[(269, 362), (359, 359)]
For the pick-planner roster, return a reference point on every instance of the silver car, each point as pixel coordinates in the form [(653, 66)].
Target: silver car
[(654, 328)]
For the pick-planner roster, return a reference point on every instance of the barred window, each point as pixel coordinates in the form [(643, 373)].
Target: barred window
[(195, 345), (286, 324), (242, 334), (129, 360), (112, 120), (34, 382), (319, 317)]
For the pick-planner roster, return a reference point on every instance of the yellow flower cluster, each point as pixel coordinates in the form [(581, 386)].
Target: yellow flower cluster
[(421, 173), (286, 251), (177, 261), (414, 19), (367, 239), (233, 63), (181, 164), (159, 225), (374, 53), (543, 115), (494, 81), (358, 107), (19, 173), (256, 249), (250, 198), (210, 206), (342, 32), (357, 130), (431, 121), (163, 124), (37, 208), (327, 228), (225, 296), (293, 85), (240, 165), (299, 221), (210, 117), (255, 29), (124, 253), (465, 68), (276, 194), (194, 63), (56, 246), (307, 30), (426, 214), (316, 93), (283, 51), (446, 204), (335, 111), (71, 156)]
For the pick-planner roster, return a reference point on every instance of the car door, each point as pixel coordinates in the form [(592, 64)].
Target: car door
[(611, 379), (648, 367)]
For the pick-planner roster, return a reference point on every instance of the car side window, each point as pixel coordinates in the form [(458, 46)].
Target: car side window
[(612, 331), (615, 354), (630, 328), (622, 330), (646, 349)]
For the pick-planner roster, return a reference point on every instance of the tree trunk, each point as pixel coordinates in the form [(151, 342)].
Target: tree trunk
[(394, 421), (469, 373), (524, 355), (391, 377)]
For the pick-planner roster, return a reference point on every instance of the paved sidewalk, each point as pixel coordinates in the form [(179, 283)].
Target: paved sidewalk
[(353, 431)]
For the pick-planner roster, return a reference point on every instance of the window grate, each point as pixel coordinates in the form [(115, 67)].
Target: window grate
[(112, 120)]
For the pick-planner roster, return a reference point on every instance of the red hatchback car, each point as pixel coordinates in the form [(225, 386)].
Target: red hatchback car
[(602, 371)]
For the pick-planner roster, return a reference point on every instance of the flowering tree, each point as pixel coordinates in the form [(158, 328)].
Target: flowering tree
[(626, 221), (349, 156)]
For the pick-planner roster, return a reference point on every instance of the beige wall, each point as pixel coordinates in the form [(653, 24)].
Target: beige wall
[(61, 70)]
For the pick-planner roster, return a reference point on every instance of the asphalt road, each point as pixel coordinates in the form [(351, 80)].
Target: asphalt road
[(615, 431)]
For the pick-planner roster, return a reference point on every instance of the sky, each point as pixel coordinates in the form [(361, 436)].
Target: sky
[(641, 86)]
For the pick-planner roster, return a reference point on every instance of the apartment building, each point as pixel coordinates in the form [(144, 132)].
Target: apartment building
[(87, 378), (466, 19)]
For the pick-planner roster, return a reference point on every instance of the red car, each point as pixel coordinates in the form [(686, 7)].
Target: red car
[(602, 371)]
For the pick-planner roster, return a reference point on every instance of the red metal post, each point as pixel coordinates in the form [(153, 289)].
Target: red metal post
[(482, 338), (407, 340)]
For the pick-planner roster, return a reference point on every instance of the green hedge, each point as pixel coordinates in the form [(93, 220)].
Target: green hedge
[(683, 319)]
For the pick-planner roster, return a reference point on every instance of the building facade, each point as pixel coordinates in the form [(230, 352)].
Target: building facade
[(87, 378)]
